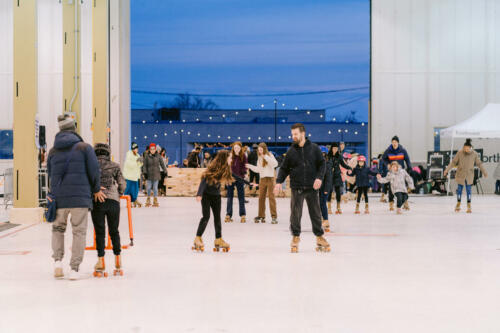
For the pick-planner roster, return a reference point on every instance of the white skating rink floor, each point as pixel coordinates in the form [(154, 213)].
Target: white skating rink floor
[(429, 270)]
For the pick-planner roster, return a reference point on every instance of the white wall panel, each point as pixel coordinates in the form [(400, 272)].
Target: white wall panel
[(434, 63)]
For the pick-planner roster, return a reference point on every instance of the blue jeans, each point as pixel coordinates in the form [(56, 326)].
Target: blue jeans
[(323, 198), (154, 185), (468, 190), (497, 186), (240, 187), (132, 189)]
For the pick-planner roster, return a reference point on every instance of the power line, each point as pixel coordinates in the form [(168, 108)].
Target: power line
[(301, 93)]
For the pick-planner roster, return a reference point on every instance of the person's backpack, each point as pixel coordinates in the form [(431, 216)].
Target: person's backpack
[(50, 213)]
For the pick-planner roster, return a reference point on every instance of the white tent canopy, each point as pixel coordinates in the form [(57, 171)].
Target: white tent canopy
[(485, 124)]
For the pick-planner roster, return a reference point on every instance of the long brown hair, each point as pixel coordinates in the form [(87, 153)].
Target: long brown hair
[(218, 171), (241, 155), (265, 152)]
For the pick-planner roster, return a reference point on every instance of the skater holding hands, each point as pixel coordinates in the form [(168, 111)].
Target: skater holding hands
[(398, 177), (362, 174), (464, 161)]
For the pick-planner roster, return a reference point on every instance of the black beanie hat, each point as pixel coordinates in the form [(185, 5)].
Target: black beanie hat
[(395, 138), (335, 144), (134, 145), (468, 142)]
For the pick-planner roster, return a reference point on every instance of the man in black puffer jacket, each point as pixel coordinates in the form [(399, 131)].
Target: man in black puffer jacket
[(73, 193), (305, 165)]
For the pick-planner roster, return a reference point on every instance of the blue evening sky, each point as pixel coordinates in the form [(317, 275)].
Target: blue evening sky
[(252, 46)]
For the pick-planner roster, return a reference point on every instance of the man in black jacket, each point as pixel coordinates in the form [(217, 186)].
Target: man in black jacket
[(305, 165), (254, 176)]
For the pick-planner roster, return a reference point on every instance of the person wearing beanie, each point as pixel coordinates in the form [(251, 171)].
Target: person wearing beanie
[(464, 161), (152, 168), (394, 153), (74, 177), (132, 173), (337, 161), (113, 185)]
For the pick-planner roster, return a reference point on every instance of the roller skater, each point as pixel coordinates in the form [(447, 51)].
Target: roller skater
[(238, 168), (100, 268), (394, 153), (398, 177), (337, 164), (228, 219), (113, 185), (198, 245), (305, 165), (464, 161), (362, 181), (217, 174), (132, 174), (118, 266), (325, 190), (266, 163), (152, 169)]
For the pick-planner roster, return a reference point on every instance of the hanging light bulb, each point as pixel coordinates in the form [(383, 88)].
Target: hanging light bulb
[(340, 130), (208, 135), (356, 132), (329, 132), (143, 121), (262, 105), (165, 134)]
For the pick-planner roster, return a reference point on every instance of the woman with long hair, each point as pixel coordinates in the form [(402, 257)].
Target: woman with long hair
[(266, 163), (238, 168), (337, 163), (217, 174)]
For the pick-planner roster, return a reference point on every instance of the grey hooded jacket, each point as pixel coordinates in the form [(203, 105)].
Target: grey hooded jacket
[(398, 180)]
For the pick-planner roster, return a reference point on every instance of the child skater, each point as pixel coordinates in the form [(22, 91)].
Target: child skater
[(362, 174), (217, 174), (397, 177), (113, 185), (266, 163)]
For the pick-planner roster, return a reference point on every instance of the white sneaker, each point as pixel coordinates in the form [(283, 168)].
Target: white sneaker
[(74, 275), (58, 270)]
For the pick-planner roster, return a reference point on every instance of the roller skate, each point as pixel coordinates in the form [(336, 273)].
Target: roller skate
[(326, 225), (329, 208), (406, 206), (258, 219), (198, 245), (322, 245), (155, 202), (118, 266), (469, 208), (382, 198), (367, 210), (274, 220), (399, 211), (357, 209), (58, 270), (391, 206), (221, 244), (148, 202), (243, 219), (228, 219), (295, 244), (100, 268), (457, 207), (338, 211)]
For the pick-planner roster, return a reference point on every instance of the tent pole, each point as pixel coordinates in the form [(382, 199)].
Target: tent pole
[(451, 158)]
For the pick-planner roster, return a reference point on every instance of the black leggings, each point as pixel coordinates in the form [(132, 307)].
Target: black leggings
[(254, 178), (363, 190), (108, 210), (402, 197), (207, 202)]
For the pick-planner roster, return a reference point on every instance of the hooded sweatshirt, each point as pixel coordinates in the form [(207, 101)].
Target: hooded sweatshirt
[(399, 154)]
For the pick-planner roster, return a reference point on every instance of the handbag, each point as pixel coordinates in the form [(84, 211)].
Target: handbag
[(51, 212)]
